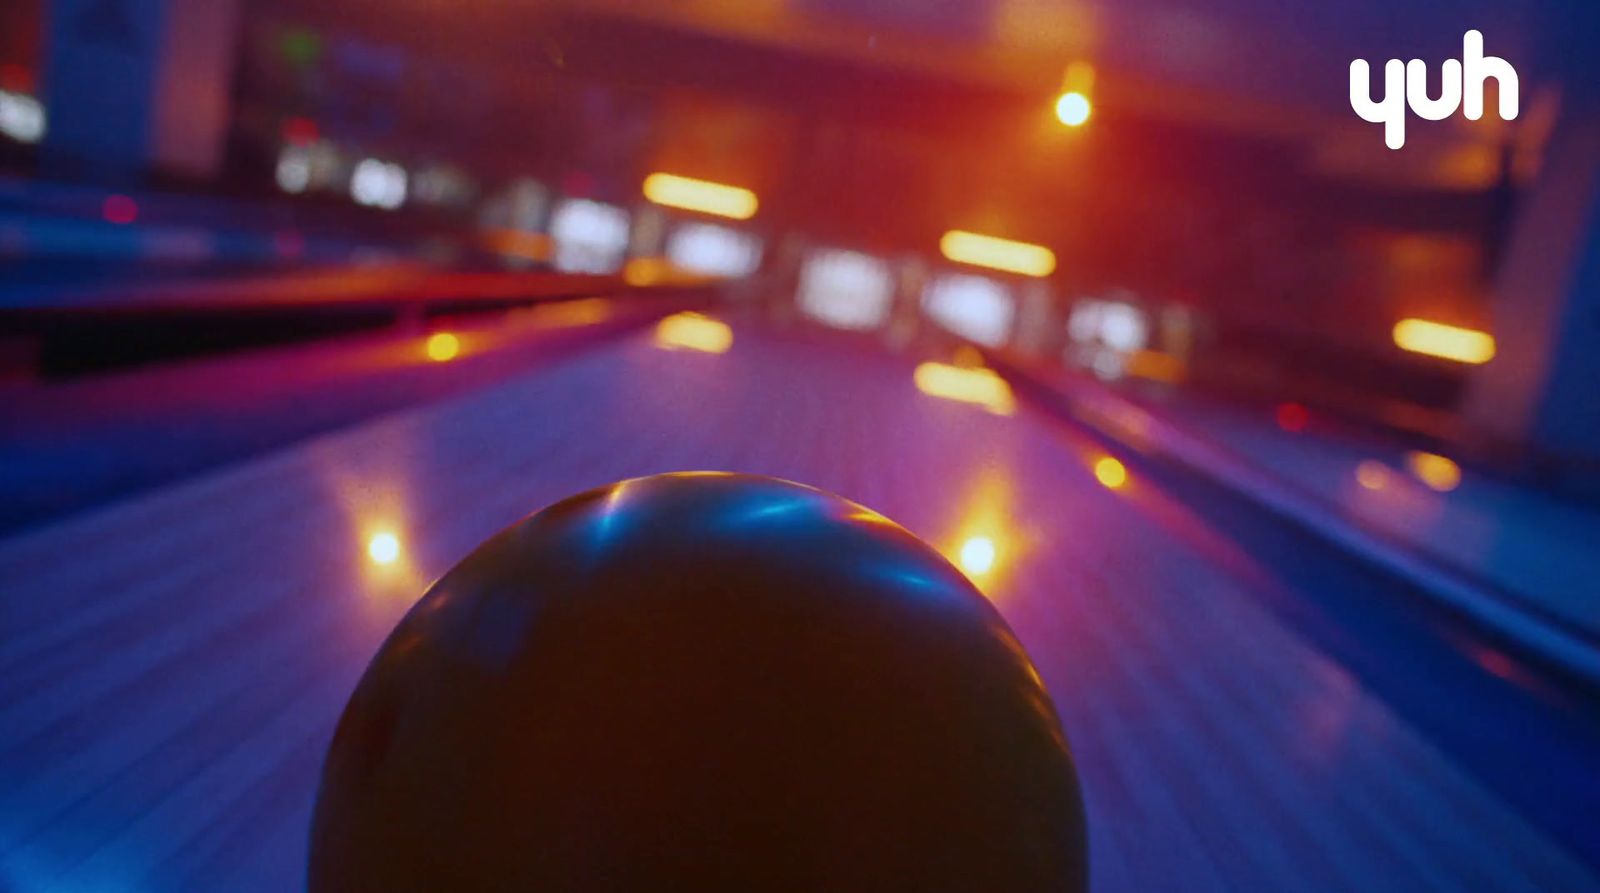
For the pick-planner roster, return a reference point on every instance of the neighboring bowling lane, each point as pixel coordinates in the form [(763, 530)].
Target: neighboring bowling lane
[(173, 665), (80, 442)]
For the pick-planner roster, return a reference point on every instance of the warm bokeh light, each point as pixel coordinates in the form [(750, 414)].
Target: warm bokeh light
[(1155, 365), (704, 196), (1079, 76), (984, 539), (694, 331), (1110, 472), (1437, 339), (383, 548), (977, 556), (646, 271), (1292, 417), (443, 347), (1073, 108), (966, 356), (1372, 475), (1438, 472), (565, 314), (642, 272), (997, 254), (538, 247), (968, 385)]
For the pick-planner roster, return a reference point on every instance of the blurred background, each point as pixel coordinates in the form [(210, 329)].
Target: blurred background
[(1209, 199), (1280, 448)]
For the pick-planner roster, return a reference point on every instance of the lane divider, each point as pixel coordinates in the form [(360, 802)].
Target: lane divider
[(1498, 613)]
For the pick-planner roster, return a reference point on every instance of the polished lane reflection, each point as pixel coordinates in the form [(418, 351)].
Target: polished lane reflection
[(173, 665)]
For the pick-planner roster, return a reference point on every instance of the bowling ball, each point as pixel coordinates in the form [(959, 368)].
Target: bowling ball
[(700, 682)]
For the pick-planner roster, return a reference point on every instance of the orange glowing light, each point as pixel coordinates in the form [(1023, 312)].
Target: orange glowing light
[(1111, 474), (570, 314), (985, 543), (1155, 365), (1436, 471), (519, 244), (704, 196), (383, 548), (643, 271), (967, 385), (694, 332), (1073, 108), (646, 271), (1436, 339), (997, 254), (977, 556), (443, 347), (1372, 475), (1079, 76)]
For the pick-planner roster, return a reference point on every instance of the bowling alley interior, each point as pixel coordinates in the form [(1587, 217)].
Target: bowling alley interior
[(1002, 445)]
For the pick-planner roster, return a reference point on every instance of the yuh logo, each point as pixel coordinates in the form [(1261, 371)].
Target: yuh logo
[(1406, 83)]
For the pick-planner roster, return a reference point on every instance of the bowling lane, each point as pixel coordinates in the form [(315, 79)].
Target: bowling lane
[(172, 666)]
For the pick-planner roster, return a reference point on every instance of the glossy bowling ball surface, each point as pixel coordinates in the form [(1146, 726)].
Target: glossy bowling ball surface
[(700, 682)]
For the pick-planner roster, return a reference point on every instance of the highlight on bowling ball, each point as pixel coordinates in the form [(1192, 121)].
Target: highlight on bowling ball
[(700, 681)]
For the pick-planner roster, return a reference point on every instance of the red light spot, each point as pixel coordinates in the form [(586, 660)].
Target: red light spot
[(1495, 662), (1293, 417), (300, 131), (16, 78), (577, 184), (119, 209)]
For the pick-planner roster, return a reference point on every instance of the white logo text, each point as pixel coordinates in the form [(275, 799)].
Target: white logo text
[(1406, 83)]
